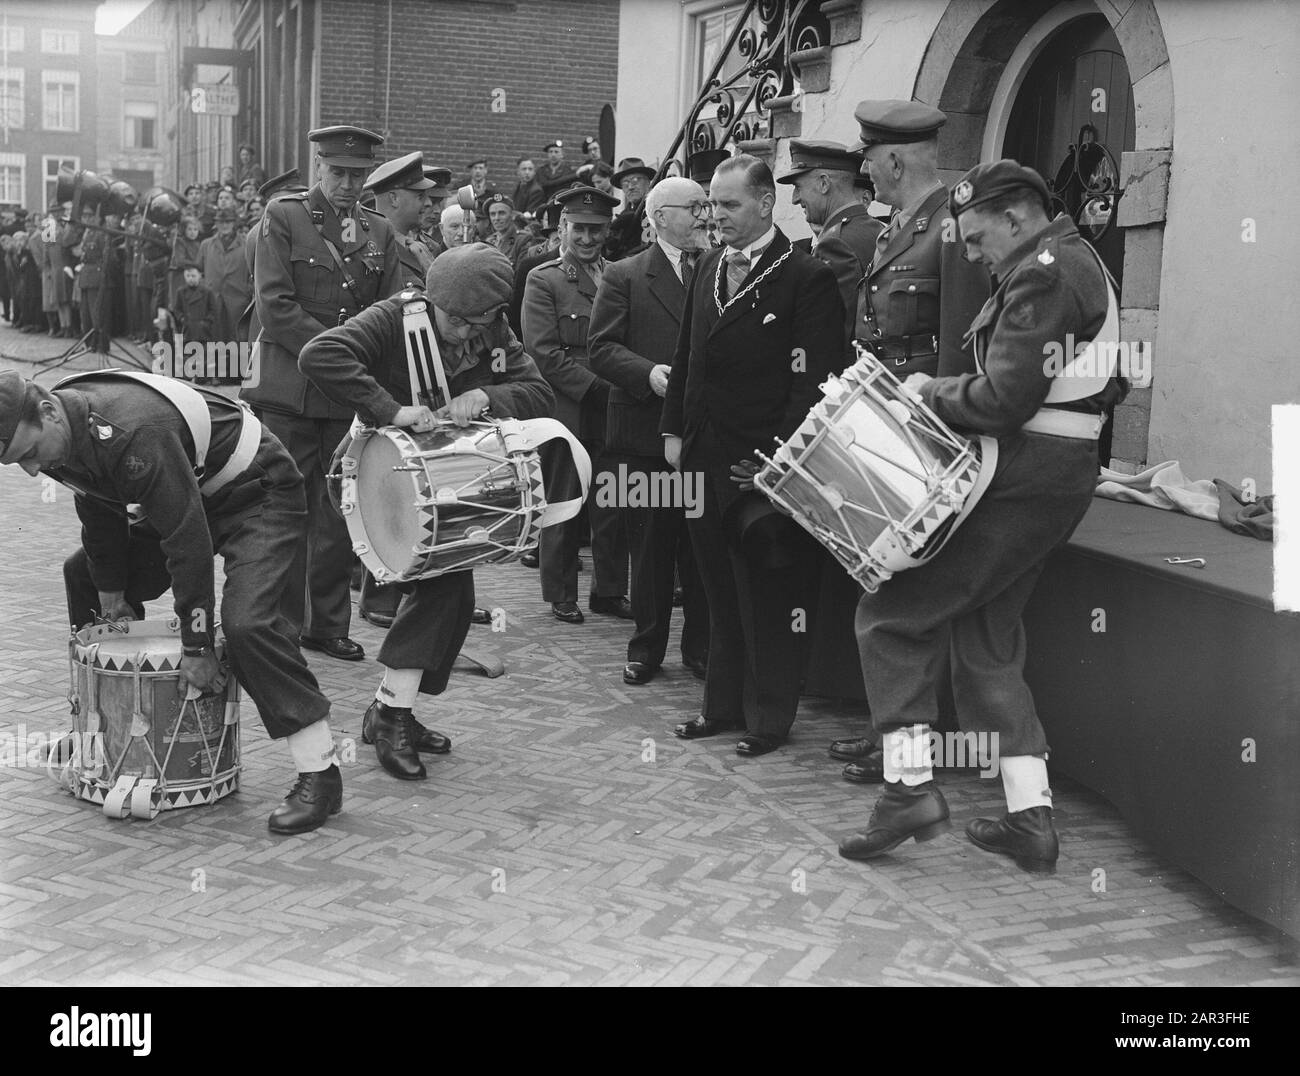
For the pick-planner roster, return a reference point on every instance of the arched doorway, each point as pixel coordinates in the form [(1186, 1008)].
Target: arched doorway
[(1072, 120)]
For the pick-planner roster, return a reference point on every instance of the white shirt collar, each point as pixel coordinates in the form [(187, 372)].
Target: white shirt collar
[(760, 244), (673, 253)]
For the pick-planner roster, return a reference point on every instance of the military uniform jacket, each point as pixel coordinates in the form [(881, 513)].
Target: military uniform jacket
[(411, 266), (634, 327), (130, 446), (922, 286), (300, 289), (751, 373), (94, 260), (847, 244), (1047, 287), (361, 366), (557, 312)]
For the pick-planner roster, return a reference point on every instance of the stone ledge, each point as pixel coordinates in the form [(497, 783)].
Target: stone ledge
[(845, 18), (786, 116), (1144, 178), (813, 67)]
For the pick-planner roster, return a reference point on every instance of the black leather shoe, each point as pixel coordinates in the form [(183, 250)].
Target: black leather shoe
[(853, 750), (753, 744), (427, 741), (699, 667), (870, 770), (639, 672), (480, 616), (700, 727), (901, 812), (394, 739), (379, 620), (1027, 836), (313, 798), (619, 607), (567, 611), (530, 560), (343, 649)]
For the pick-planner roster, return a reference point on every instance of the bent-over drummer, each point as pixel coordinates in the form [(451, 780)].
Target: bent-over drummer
[(117, 442), (363, 365)]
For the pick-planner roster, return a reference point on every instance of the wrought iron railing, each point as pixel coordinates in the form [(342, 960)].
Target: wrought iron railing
[(1086, 186), (742, 99)]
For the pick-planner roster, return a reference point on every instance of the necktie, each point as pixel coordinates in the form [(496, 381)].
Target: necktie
[(737, 270), (689, 258), (882, 240)]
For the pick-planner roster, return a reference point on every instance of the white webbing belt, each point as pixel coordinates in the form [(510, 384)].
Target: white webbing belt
[(194, 410), (428, 379), (1058, 423)]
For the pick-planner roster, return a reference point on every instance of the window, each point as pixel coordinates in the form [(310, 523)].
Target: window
[(61, 93), (140, 68), (62, 42), (11, 38), (712, 32), (50, 167), (11, 97), (11, 178), (141, 125)]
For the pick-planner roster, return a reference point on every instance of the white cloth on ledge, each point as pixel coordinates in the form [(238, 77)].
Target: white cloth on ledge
[(1162, 486)]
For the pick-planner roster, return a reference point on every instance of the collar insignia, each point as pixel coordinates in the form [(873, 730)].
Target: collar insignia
[(1045, 258)]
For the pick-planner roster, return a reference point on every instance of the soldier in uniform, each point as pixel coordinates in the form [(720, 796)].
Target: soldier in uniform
[(555, 175), (401, 191), (320, 260), (920, 294), (115, 441), (822, 175), (627, 235), (557, 310), (430, 229), (362, 365), (505, 235), (966, 603), (538, 253)]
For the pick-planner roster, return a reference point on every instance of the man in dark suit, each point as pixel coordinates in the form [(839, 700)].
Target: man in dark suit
[(822, 175), (634, 325), (320, 259), (763, 327)]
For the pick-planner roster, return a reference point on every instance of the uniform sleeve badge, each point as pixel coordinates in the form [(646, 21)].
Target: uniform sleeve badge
[(1021, 315), (135, 466), (103, 432), (1045, 258)]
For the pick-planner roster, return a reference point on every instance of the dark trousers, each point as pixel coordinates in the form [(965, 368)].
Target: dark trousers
[(259, 543), (319, 583), (660, 547), (760, 583), (966, 604), (557, 550), (430, 628)]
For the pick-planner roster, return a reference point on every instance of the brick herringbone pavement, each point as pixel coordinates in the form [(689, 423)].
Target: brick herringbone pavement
[(568, 838)]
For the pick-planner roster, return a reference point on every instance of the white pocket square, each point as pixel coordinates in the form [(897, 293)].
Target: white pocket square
[(770, 317)]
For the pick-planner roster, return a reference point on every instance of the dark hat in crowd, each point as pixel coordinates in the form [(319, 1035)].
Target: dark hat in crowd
[(470, 281), (476, 161), (285, 181), (588, 142), (346, 146), (18, 400), (404, 173), (441, 179), (814, 155), (701, 166), (490, 200), (993, 179), (892, 122), (555, 142), (631, 166), (587, 205)]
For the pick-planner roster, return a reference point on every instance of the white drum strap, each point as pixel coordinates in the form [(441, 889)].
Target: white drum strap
[(428, 379), (537, 432), (1083, 375)]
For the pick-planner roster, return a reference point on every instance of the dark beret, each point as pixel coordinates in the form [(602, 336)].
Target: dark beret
[(470, 281), (991, 180)]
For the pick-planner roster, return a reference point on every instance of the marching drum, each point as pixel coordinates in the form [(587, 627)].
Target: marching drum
[(875, 476), (418, 505), (143, 740)]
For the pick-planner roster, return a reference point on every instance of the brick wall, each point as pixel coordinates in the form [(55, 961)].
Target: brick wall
[(555, 60)]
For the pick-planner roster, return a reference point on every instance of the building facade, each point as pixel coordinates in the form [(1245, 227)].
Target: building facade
[(132, 98), (49, 111), (1193, 103)]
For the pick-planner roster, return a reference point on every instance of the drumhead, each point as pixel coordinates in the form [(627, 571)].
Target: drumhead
[(385, 501), (153, 645)]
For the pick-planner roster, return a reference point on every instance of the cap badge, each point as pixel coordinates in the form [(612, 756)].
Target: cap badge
[(586, 199), (963, 192), (349, 142), (1046, 258)]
